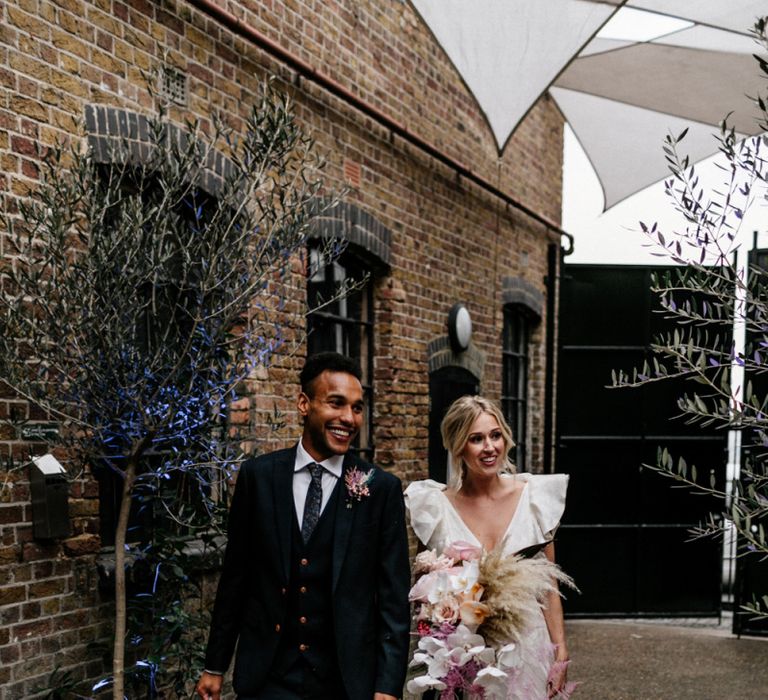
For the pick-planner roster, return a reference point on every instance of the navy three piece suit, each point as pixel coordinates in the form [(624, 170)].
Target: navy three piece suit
[(336, 605)]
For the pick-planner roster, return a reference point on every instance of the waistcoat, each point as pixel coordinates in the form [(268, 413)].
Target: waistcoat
[(308, 626)]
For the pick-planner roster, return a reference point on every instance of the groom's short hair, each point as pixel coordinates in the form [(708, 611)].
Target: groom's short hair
[(327, 361)]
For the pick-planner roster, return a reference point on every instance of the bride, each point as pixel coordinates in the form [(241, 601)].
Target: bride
[(491, 507)]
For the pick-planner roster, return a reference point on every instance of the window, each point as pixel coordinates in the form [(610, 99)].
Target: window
[(344, 323), (514, 390), (166, 321)]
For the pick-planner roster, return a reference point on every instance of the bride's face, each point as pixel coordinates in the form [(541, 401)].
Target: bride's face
[(484, 450)]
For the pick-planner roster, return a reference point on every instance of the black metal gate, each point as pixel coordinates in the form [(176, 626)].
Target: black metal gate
[(625, 537)]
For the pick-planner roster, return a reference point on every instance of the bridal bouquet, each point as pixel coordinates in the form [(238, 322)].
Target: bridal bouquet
[(471, 609)]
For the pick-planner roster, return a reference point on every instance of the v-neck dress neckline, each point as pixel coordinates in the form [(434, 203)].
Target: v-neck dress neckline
[(437, 523), (474, 538)]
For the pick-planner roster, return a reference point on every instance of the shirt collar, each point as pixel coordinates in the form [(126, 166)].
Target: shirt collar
[(332, 464)]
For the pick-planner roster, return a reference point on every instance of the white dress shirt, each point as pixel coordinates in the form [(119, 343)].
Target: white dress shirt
[(332, 468)]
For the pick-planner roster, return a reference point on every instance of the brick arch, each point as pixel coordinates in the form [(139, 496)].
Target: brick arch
[(348, 222), (120, 135), (440, 354), (520, 292)]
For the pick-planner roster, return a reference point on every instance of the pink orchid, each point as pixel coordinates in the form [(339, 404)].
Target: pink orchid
[(432, 584)]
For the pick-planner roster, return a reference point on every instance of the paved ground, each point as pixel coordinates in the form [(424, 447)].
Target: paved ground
[(639, 660)]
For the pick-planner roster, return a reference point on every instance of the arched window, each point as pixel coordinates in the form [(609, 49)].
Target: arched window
[(121, 141), (345, 323)]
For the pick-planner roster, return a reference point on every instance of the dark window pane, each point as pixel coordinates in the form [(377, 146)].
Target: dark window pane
[(344, 324), (516, 336)]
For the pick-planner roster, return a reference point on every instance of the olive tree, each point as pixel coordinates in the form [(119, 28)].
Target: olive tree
[(706, 298), (135, 302)]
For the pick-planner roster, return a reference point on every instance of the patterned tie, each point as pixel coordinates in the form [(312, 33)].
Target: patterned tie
[(313, 502)]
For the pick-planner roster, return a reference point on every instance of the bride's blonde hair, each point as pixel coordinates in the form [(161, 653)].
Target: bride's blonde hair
[(457, 425)]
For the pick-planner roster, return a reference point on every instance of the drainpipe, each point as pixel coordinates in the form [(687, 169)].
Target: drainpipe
[(555, 255)]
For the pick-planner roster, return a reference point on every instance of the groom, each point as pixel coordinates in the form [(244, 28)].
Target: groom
[(314, 586)]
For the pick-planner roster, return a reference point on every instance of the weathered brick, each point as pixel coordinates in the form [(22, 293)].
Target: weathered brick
[(9, 554), (50, 606), (27, 22), (12, 594), (29, 107), (31, 611), (45, 589), (33, 551), (10, 654), (37, 668), (69, 83), (76, 25), (82, 544), (30, 67), (82, 507), (72, 620), (11, 514), (70, 44), (36, 628)]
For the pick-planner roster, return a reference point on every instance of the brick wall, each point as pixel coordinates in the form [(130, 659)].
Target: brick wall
[(450, 241)]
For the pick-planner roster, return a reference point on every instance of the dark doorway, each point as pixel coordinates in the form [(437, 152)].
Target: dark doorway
[(626, 533), (445, 386)]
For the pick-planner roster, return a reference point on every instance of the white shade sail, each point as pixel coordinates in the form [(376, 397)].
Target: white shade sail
[(623, 74), (509, 51)]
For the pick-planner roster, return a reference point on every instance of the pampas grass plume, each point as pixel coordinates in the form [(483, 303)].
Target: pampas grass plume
[(515, 590)]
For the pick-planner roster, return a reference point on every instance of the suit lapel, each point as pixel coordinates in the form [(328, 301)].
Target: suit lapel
[(343, 525), (282, 484)]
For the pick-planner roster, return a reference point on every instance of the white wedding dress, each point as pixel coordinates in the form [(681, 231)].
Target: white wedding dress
[(437, 524)]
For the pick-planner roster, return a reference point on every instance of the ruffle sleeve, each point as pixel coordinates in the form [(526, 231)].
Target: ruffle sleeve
[(424, 501), (547, 503), (539, 512)]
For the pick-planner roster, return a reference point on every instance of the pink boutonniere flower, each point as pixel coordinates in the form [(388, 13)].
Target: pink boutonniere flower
[(357, 483)]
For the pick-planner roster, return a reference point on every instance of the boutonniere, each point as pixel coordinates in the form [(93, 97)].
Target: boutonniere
[(357, 483)]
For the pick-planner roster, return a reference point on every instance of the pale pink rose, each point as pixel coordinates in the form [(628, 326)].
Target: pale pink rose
[(463, 551), (446, 610), (428, 561), (424, 561)]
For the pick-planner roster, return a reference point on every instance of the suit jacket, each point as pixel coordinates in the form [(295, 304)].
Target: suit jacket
[(371, 579)]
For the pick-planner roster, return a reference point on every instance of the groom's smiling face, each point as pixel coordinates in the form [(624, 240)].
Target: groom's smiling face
[(333, 413)]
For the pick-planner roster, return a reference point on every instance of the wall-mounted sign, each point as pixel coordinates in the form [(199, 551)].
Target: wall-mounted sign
[(39, 432)]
